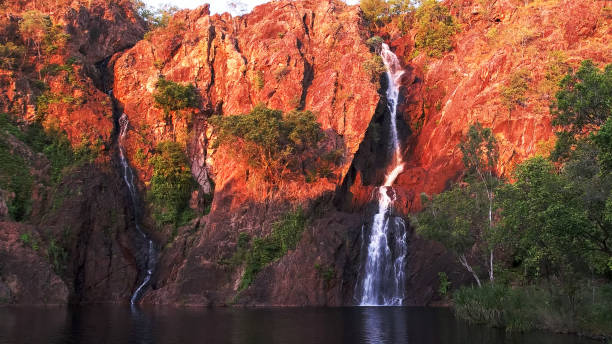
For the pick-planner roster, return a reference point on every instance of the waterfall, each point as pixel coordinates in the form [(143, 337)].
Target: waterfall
[(128, 178), (383, 277)]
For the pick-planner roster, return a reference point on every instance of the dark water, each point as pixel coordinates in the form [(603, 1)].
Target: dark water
[(120, 324)]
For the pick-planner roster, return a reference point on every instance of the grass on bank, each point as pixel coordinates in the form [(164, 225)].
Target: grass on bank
[(548, 307)]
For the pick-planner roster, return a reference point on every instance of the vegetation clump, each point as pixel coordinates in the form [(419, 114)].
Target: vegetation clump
[(380, 12), (515, 91), (173, 97), (53, 143), (435, 28), (171, 184), (374, 67), (581, 105), (274, 145), (285, 235), (11, 55)]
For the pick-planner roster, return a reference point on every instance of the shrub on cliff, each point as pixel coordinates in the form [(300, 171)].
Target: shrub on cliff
[(172, 97), (38, 29), (515, 91), (171, 184), (374, 67), (435, 28), (270, 142), (11, 55)]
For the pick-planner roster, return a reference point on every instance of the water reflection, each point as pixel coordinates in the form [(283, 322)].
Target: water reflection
[(142, 326), (165, 325)]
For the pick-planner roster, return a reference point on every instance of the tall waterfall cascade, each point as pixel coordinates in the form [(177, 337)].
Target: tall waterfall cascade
[(128, 178), (382, 274)]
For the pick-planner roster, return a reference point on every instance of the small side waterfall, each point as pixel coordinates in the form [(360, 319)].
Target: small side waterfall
[(382, 273), (128, 178)]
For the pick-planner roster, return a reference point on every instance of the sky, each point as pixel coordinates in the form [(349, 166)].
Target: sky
[(218, 6)]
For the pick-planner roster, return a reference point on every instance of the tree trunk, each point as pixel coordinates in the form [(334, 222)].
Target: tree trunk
[(465, 264)]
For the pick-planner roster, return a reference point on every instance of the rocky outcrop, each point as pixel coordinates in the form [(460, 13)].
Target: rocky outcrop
[(26, 276)]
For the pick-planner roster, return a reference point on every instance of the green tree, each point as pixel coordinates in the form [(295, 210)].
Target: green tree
[(515, 91), (10, 54), (582, 105), (375, 11), (270, 142), (462, 217), (591, 184), (173, 97), (603, 141), (34, 26), (435, 28), (543, 221), (452, 218), (171, 184), (480, 156)]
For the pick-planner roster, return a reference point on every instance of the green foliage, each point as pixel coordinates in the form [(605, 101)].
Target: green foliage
[(285, 236), (154, 17), (583, 104), (499, 306), (172, 97), (556, 69), (29, 240), (444, 283), (375, 11), (47, 98), (480, 153), (37, 28), (603, 141), (540, 220), (462, 218), (11, 55), (58, 256), (374, 67), (374, 42), (435, 28), (271, 143), (380, 12), (526, 308), (450, 218), (15, 178), (171, 184), (326, 272), (54, 69), (515, 91)]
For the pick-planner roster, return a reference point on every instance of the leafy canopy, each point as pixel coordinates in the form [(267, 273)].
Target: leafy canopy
[(171, 96), (435, 28), (582, 105), (270, 142), (171, 184)]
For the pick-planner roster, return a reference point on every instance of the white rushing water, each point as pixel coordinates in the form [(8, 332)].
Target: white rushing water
[(383, 272), (128, 178)]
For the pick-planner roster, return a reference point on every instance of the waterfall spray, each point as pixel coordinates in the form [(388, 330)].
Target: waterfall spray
[(383, 272)]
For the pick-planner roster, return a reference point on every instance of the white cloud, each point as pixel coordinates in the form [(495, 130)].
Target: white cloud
[(218, 6)]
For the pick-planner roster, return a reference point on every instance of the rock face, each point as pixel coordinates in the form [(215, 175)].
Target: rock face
[(25, 276)]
